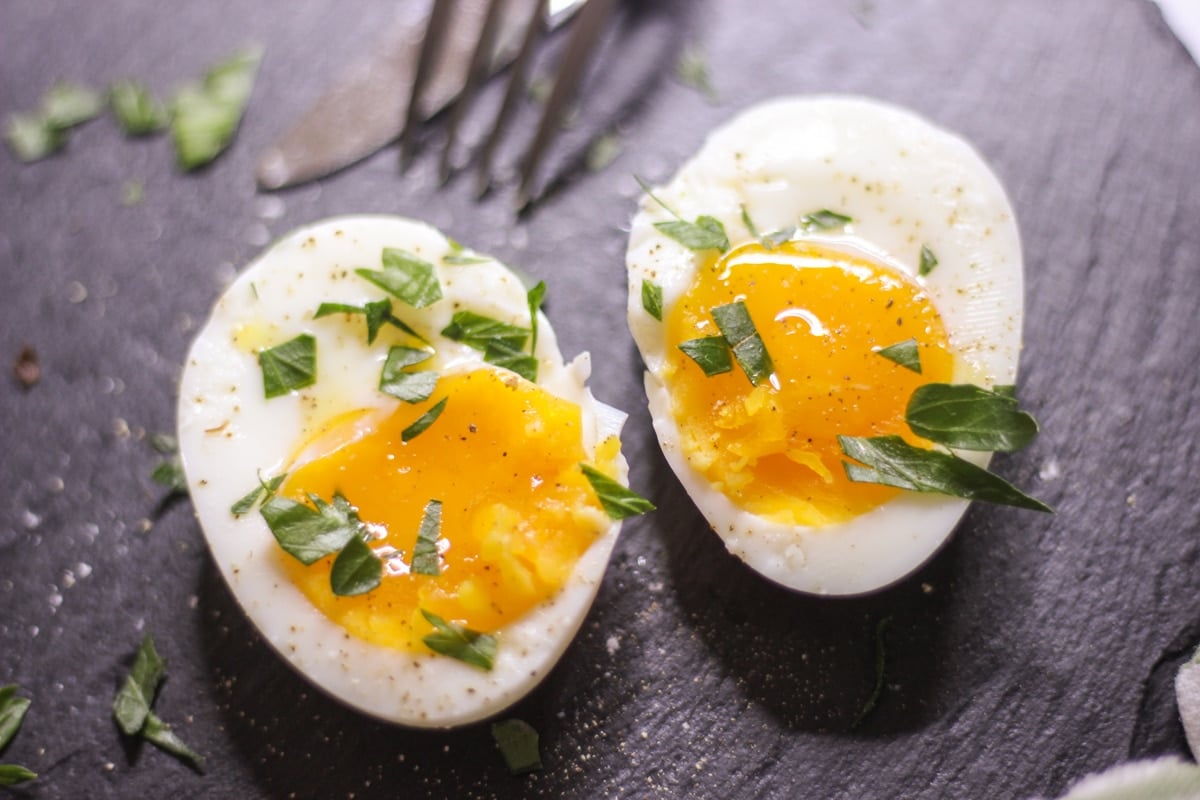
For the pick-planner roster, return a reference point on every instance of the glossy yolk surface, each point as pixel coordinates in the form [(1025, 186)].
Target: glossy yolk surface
[(822, 314), (517, 512)]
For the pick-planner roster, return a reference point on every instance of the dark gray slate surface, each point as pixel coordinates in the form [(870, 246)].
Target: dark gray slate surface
[(1031, 650)]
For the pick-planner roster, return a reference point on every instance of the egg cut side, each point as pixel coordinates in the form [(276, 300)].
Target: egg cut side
[(231, 437), (903, 184)]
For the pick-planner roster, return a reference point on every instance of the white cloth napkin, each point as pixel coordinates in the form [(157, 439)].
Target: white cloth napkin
[(1183, 17)]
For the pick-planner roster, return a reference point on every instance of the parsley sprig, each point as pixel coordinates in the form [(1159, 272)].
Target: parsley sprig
[(460, 642), (406, 276), (12, 713), (310, 533), (618, 501), (289, 366), (132, 705), (907, 354), (738, 338), (706, 233)]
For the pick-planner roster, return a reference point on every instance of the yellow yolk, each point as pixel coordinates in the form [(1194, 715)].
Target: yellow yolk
[(823, 315), (517, 512)]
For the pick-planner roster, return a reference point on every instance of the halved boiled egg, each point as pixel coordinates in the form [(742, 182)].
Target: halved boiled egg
[(814, 264), (399, 477)]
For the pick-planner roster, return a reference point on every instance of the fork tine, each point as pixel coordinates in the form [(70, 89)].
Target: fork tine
[(589, 26), (475, 74), (435, 35), (516, 84)]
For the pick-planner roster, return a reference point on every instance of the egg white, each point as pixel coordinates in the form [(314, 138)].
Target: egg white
[(905, 183), (228, 433)]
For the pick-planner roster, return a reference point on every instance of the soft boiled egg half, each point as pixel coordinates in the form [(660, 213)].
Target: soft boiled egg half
[(863, 244), (402, 482)]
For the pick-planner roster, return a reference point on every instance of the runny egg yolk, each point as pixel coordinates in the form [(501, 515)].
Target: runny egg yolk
[(517, 511), (823, 314)]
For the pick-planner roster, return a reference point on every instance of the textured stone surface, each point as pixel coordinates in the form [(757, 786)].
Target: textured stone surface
[(1031, 651)]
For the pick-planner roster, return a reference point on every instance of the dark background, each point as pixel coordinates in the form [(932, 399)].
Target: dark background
[(1031, 650)]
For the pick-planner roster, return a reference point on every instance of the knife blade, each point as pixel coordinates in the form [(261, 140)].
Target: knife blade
[(366, 108)]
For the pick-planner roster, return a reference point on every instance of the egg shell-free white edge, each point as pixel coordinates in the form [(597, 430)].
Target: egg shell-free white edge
[(228, 434), (905, 183)]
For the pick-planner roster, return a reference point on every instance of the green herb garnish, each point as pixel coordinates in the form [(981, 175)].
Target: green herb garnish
[(289, 366), (264, 491), (928, 261), (603, 150), (411, 387), (891, 461), (424, 421), (457, 641), (501, 355), (307, 533), (710, 352), (480, 332), (169, 473), (405, 276), (12, 713), (969, 417), (768, 240), (137, 111), (356, 570), (905, 353), (34, 136), (457, 256), (69, 104), (425, 559), (652, 299), (692, 70), (132, 705), (748, 348), (376, 314), (824, 220), (534, 299), (518, 743), (618, 501), (206, 114), (706, 233), (31, 138), (880, 671)]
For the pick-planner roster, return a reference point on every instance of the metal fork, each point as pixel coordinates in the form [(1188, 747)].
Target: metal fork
[(588, 26)]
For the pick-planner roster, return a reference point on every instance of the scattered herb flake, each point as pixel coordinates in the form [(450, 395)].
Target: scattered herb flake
[(31, 138), (518, 743), (891, 461), (411, 387), (264, 491), (132, 703), (880, 671), (824, 220), (133, 192), (534, 298), (68, 104), (706, 233), (12, 713), (768, 240), (969, 417), (405, 276), (376, 313), (710, 352), (748, 348), (692, 70), (501, 355), (206, 114), (463, 260), (618, 501), (138, 112), (928, 261), (421, 423), (457, 641), (289, 366), (652, 299), (906, 354), (159, 734), (307, 533), (12, 774), (356, 570), (480, 332), (425, 559), (603, 151)]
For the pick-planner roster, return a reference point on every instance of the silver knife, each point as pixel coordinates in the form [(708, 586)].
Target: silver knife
[(366, 109)]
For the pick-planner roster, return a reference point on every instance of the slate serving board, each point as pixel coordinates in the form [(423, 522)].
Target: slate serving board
[(1031, 650)]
